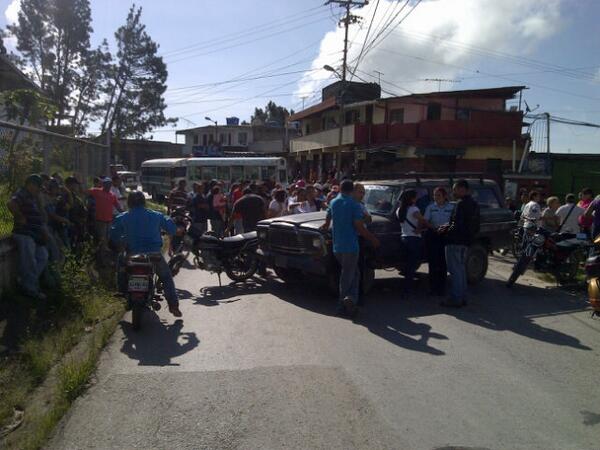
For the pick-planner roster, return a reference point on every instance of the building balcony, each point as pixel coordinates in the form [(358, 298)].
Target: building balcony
[(483, 128), (323, 139)]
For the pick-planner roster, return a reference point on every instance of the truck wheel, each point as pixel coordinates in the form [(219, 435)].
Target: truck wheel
[(477, 263)]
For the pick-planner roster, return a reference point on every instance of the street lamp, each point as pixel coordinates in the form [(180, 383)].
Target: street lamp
[(216, 128), (328, 68)]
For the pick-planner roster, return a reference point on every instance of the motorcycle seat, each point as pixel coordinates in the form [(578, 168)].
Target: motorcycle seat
[(144, 257), (239, 239)]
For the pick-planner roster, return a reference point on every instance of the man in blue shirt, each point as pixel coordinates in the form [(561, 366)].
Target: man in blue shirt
[(140, 230), (348, 223)]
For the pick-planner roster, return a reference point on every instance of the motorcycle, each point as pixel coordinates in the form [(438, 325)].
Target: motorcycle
[(558, 254), (142, 285), (592, 271), (236, 255), (183, 223)]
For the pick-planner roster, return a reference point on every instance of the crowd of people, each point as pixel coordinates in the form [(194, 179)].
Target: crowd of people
[(578, 214), (53, 216)]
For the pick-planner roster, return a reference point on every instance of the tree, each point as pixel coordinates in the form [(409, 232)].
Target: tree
[(53, 37), (272, 113), (135, 103), (2, 47)]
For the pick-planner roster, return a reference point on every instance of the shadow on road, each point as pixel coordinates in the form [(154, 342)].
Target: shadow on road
[(157, 342), (229, 293)]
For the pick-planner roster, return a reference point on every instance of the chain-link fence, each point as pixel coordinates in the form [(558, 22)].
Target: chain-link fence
[(25, 150)]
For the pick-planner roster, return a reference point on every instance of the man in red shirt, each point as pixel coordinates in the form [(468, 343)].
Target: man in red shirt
[(104, 201)]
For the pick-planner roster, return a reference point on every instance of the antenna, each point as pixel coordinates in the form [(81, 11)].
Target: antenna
[(439, 81)]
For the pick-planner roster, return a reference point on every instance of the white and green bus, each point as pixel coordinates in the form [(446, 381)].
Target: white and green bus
[(160, 175)]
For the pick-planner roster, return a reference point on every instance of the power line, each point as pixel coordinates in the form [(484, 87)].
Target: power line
[(362, 49)]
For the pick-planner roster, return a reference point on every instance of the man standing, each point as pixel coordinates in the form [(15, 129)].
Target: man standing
[(347, 220), (569, 215), (118, 190), (463, 226), (104, 202), (532, 211), (140, 229), (199, 211), (251, 208), (178, 197), (30, 236)]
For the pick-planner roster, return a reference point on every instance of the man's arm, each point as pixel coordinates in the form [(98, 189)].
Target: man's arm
[(327, 223), (14, 208), (167, 224), (115, 203), (117, 230), (589, 212), (361, 229)]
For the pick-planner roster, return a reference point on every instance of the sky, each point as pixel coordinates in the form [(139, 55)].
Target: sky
[(225, 58)]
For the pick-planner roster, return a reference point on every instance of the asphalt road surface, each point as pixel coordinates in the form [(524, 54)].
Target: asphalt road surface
[(269, 366)]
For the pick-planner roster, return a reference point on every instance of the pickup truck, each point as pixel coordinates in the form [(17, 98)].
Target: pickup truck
[(295, 246)]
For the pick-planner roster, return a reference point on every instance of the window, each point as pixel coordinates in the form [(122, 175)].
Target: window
[(228, 138), (209, 173), (397, 115), (222, 138), (307, 129), (463, 114), (323, 123), (352, 116), (195, 139), (243, 138), (282, 176), (486, 197), (204, 139), (179, 172), (251, 173), (223, 174), (267, 172), (237, 173), (434, 111), (380, 199)]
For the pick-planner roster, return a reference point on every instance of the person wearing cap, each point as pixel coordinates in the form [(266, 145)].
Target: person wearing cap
[(30, 236), (104, 202)]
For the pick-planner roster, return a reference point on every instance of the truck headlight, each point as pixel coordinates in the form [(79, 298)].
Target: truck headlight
[(262, 235), (316, 242)]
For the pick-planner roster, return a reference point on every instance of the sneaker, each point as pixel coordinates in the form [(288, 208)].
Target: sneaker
[(175, 311), (348, 304)]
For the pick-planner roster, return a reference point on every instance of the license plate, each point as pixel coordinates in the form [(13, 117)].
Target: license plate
[(137, 284), (280, 261)]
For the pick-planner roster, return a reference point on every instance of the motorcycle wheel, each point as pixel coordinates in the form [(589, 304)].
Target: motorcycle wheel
[(518, 270), (176, 263), (569, 270), (136, 316), (241, 267), (517, 246)]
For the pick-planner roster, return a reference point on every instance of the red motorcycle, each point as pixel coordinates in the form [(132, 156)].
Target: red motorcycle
[(143, 286)]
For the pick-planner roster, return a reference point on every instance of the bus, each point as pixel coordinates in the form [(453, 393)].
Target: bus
[(159, 175)]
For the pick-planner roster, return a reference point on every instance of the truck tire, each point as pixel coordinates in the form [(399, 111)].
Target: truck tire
[(477, 263)]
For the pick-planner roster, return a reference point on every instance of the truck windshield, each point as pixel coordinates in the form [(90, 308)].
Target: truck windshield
[(380, 199)]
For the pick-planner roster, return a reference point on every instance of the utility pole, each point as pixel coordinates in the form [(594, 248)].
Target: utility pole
[(347, 20)]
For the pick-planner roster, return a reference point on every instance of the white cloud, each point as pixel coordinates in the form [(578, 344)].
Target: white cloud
[(409, 54), (12, 11)]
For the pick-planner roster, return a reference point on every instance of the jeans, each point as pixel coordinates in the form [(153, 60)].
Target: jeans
[(436, 257), (349, 276), (238, 226), (413, 246), (456, 258), (164, 275), (33, 259)]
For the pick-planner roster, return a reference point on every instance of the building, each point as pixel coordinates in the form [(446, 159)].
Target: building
[(455, 131), (133, 152), (219, 140)]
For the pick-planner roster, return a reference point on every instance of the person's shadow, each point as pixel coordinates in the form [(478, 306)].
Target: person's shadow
[(157, 342)]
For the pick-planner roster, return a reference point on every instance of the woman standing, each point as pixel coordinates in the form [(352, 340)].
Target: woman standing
[(437, 214), (277, 206), (412, 224)]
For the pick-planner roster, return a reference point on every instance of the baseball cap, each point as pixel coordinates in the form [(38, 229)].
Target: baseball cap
[(301, 184), (318, 186), (35, 179), (106, 180)]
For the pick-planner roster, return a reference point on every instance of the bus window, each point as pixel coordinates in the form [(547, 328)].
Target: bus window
[(267, 172), (223, 174), (209, 173), (251, 172), (237, 173), (179, 172), (196, 173), (282, 176)]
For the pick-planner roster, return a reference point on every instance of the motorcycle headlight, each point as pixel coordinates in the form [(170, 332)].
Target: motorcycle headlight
[(538, 240), (262, 235)]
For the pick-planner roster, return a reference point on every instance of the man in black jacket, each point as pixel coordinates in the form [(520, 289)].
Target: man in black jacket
[(460, 232)]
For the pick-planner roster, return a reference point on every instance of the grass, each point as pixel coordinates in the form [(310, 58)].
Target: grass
[(38, 335), (6, 219)]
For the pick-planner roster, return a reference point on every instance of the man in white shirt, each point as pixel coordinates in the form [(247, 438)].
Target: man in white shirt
[(118, 190), (532, 211), (569, 215)]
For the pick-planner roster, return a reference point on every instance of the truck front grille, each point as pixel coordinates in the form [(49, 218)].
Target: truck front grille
[(285, 241)]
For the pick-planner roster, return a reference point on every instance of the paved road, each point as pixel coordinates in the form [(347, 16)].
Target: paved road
[(268, 366)]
